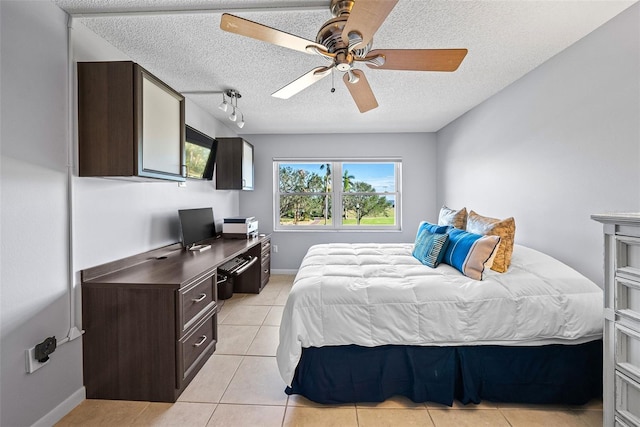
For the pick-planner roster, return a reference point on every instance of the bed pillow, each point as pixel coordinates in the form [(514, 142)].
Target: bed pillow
[(468, 252), (426, 249), (457, 219), (430, 247), (431, 228), (505, 229)]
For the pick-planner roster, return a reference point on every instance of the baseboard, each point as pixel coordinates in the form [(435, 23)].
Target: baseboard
[(289, 272), (57, 413)]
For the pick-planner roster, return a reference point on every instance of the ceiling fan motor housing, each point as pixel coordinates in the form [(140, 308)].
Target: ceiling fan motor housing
[(339, 7), (330, 36)]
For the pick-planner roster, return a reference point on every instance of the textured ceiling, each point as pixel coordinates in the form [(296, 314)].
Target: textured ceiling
[(181, 42)]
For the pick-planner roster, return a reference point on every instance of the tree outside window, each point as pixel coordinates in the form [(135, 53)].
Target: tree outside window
[(365, 199)]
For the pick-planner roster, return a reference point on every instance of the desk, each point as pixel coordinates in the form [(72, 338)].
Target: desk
[(150, 320)]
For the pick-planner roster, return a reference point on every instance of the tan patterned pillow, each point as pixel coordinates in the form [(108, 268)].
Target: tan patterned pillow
[(505, 228), (457, 219)]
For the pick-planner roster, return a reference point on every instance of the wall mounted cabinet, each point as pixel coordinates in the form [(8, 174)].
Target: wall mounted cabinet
[(234, 164), (130, 124)]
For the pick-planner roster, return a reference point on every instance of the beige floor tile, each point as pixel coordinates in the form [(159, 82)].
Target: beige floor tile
[(274, 316), (235, 299), (469, 418), (175, 414), (246, 315), (320, 417), (283, 279), (282, 297), (235, 339), (594, 404), (298, 400), (543, 418), (392, 417), (257, 381), (247, 416), (227, 306), (591, 418), (212, 380), (266, 342), (457, 405), (92, 412), (543, 407), (396, 402), (267, 296)]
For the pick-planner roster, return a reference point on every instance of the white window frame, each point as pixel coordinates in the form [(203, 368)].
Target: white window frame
[(336, 195)]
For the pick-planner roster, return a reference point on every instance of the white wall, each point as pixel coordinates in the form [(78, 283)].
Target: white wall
[(418, 185), (558, 145), (112, 219), (35, 303)]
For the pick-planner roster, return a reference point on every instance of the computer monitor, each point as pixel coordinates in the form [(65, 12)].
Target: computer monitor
[(196, 225)]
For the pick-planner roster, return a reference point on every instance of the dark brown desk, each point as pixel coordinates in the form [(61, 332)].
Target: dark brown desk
[(150, 320)]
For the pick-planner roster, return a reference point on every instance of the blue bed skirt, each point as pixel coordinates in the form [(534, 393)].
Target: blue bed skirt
[(560, 374)]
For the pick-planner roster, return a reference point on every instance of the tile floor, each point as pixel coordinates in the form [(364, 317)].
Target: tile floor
[(240, 386)]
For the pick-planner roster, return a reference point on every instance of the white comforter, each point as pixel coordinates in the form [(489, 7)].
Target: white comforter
[(377, 294)]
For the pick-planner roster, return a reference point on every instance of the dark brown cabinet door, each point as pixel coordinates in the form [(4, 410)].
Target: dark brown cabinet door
[(130, 124), (234, 164)]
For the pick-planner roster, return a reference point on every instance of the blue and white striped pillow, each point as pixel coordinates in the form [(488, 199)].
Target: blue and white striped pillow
[(431, 242), (468, 252)]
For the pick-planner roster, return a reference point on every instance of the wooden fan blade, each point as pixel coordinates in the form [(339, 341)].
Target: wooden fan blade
[(302, 82), (361, 91), (365, 18), (420, 59), (244, 27)]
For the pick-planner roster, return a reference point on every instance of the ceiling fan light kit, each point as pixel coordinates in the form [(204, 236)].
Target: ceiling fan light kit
[(346, 40)]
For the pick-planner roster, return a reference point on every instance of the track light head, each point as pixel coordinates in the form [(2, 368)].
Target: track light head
[(233, 96), (224, 105)]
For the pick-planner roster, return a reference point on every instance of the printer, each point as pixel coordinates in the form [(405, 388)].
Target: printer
[(240, 227)]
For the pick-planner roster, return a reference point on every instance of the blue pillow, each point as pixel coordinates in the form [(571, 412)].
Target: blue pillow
[(432, 228), (430, 247), (468, 252)]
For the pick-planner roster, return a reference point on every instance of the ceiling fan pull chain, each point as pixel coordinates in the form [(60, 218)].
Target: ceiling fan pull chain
[(333, 85)]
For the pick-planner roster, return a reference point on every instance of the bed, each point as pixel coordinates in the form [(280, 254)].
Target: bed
[(364, 322)]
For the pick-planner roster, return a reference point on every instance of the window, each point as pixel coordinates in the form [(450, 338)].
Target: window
[(358, 194), (200, 154)]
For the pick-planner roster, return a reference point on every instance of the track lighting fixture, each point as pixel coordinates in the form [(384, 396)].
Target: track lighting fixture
[(233, 96)]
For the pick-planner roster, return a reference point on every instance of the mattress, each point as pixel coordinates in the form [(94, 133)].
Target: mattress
[(378, 294)]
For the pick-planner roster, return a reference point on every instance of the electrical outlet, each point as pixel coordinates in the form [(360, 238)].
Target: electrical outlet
[(275, 249), (32, 364)]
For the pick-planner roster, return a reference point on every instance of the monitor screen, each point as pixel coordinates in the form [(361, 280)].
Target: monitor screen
[(196, 225)]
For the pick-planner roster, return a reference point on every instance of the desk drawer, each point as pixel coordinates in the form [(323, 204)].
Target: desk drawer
[(627, 399), (195, 344), (266, 246), (194, 299)]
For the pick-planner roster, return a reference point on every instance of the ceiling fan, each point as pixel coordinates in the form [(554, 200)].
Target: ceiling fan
[(344, 41)]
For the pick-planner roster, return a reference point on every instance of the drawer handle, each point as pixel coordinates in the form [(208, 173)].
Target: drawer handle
[(266, 271), (202, 340), (200, 298)]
